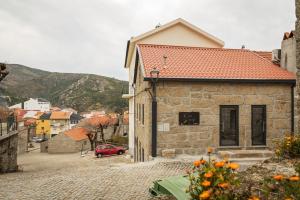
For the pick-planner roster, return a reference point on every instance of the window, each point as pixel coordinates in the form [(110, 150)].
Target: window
[(189, 118)]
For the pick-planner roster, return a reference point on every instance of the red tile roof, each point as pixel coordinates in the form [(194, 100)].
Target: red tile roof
[(209, 63), (264, 54), (77, 134), (60, 115)]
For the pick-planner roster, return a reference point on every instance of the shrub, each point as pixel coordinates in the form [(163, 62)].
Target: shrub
[(289, 147), (212, 179), (283, 187)]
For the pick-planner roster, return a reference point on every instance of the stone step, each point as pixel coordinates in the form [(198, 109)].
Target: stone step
[(248, 160), (232, 154)]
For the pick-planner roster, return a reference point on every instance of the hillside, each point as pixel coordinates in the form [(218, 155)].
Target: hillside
[(82, 92)]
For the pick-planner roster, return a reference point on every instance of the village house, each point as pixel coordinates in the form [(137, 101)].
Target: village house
[(60, 121), (75, 119), (71, 141), (187, 92), (43, 127), (38, 104)]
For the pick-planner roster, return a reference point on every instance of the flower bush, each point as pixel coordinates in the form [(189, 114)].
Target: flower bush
[(289, 147), (283, 187), (212, 179)]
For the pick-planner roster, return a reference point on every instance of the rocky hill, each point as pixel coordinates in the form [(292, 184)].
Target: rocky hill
[(83, 92)]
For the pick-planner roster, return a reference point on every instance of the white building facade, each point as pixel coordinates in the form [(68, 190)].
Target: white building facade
[(37, 104)]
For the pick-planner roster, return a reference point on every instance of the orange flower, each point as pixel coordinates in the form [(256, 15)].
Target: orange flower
[(197, 163), (205, 195), (220, 164), (209, 150), (205, 183), (278, 177), (223, 185), (233, 166), (294, 178), (208, 175), (288, 198), (202, 162), (253, 198)]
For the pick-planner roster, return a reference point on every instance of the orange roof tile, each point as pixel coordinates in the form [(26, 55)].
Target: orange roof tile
[(77, 134), (60, 115), (209, 63), (264, 54), (38, 114)]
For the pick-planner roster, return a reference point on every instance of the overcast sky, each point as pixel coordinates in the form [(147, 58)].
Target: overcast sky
[(90, 36)]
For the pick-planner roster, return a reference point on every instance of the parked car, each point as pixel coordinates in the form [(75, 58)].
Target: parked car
[(38, 140), (108, 149)]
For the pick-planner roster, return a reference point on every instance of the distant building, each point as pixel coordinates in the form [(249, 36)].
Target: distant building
[(71, 141), (60, 121), (74, 119), (43, 127), (55, 109), (70, 110), (93, 114), (37, 104)]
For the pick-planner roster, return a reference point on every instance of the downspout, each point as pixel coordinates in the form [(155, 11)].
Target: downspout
[(292, 109), (134, 127), (154, 121)]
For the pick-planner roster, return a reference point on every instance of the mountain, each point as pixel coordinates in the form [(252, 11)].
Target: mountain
[(83, 92)]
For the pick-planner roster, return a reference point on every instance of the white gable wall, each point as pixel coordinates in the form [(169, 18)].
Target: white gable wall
[(180, 35)]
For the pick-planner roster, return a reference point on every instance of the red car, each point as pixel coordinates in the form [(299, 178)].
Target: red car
[(108, 149)]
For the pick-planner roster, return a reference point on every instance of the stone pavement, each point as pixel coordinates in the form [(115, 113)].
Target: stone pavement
[(70, 176)]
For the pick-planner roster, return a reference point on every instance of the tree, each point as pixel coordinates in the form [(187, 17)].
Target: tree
[(96, 125)]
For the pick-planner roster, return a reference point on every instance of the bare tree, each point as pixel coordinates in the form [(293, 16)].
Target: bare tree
[(96, 125)]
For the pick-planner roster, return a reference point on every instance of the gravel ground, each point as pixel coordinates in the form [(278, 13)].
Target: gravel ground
[(70, 176)]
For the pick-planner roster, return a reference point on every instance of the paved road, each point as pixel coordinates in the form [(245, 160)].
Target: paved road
[(71, 176)]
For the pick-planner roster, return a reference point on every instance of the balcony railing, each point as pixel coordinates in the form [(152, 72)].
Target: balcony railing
[(8, 125)]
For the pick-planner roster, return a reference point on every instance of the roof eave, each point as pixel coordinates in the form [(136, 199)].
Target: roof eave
[(286, 81), (126, 56)]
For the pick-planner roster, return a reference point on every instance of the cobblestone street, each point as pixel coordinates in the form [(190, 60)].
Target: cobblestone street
[(71, 176)]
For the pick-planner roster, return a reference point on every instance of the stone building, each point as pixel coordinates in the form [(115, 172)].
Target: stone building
[(71, 141), (206, 95), (297, 35)]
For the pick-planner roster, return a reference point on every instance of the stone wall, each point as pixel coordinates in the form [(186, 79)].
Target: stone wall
[(142, 137), (8, 152), (298, 59), (22, 140), (206, 98)]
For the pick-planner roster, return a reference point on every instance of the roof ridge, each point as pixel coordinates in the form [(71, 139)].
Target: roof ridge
[(192, 47)]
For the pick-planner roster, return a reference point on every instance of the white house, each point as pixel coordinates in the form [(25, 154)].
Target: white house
[(37, 104)]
